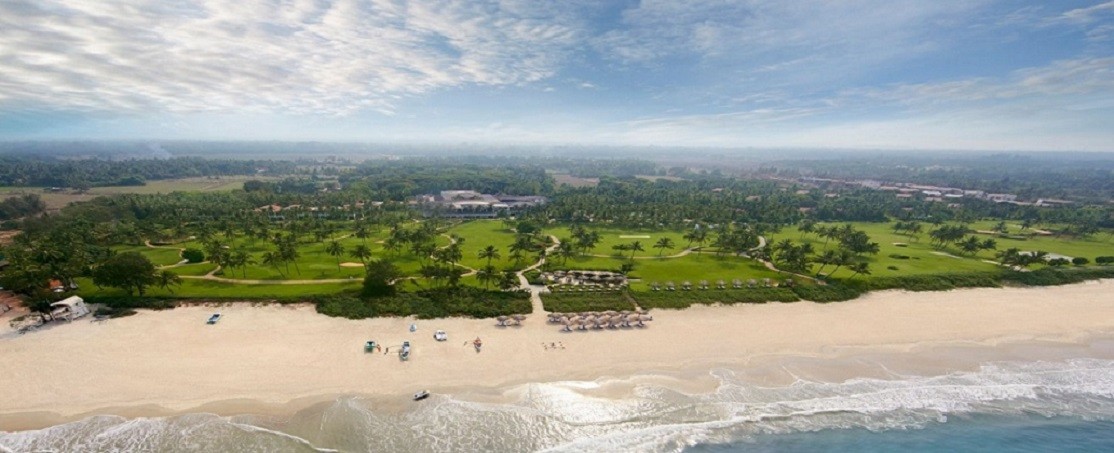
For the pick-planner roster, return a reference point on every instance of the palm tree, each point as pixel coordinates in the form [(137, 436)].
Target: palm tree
[(242, 260), (290, 254), (490, 253), (635, 246), (487, 275), (166, 279), (274, 259), (361, 252), (662, 244), (807, 226), (336, 250), (861, 267), (565, 250), (362, 232)]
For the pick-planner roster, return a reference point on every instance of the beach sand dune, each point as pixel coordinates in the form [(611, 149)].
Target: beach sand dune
[(156, 362)]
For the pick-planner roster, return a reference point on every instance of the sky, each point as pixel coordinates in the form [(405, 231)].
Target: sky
[(887, 74)]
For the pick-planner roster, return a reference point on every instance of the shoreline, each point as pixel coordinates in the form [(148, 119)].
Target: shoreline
[(289, 357)]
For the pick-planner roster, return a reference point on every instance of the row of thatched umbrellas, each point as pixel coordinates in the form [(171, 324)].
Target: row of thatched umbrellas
[(599, 320), (515, 320)]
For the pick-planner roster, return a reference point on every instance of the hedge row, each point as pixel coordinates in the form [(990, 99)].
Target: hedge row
[(684, 299), (577, 302), (440, 303)]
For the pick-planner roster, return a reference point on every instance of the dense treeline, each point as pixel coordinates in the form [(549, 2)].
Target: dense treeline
[(398, 180), (1029, 177), (85, 173), (24, 205)]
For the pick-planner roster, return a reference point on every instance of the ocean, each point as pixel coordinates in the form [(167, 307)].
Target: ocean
[(1019, 406)]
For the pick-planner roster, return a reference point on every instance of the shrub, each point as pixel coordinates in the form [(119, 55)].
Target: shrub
[(828, 293), (1057, 262), (569, 302), (1080, 261), (684, 299), (1104, 260), (935, 282), (1054, 276), (193, 255), (438, 303)]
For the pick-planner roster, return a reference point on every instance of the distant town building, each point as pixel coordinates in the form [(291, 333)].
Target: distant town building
[(472, 204)]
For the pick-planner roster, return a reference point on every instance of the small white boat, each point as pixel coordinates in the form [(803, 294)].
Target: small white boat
[(440, 335), (421, 395)]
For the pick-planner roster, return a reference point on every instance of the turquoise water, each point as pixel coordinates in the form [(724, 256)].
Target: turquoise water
[(976, 433), (1011, 406)]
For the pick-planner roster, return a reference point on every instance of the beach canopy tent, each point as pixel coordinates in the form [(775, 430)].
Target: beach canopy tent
[(70, 308)]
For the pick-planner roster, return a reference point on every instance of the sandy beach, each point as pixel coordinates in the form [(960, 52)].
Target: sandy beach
[(268, 359)]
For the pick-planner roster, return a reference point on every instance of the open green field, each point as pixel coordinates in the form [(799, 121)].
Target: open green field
[(159, 256), (610, 237), (478, 234), (924, 258), (192, 288), (649, 267), (695, 267), (58, 200)]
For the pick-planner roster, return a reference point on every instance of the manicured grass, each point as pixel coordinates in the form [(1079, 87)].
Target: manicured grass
[(584, 262), (1100, 244), (201, 289), (699, 267), (610, 237), (479, 234), (158, 256), (193, 269), (923, 258)]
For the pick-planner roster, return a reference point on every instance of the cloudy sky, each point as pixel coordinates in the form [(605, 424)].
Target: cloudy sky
[(906, 74)]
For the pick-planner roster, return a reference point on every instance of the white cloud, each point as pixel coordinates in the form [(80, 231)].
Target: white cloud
[(1063, 105), (291, 56), (767, 34)]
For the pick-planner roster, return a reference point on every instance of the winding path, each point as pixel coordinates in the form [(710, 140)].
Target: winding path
[(536, 291)]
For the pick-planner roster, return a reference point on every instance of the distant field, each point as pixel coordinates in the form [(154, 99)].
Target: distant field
[(59, 200), (574, 181)]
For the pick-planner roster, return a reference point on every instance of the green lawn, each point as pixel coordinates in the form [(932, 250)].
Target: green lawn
[(1097, 245), (208, 289), (479, 234), (696, 267), (193, 269), (159, 256), (610, 237), (923, 258)]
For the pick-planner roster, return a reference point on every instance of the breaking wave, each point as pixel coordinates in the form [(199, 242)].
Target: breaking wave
[(569, 416)]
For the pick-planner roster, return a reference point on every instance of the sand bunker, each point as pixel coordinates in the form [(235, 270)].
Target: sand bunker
[(646, 236), (351, 264)]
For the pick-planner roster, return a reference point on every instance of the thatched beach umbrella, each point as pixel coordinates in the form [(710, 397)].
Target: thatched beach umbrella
[(518, 319), (502, 320)]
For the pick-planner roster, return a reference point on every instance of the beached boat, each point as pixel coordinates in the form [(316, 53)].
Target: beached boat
[(440, 335), (213, 319), (421, 395), (404, 353), (370, 346)]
